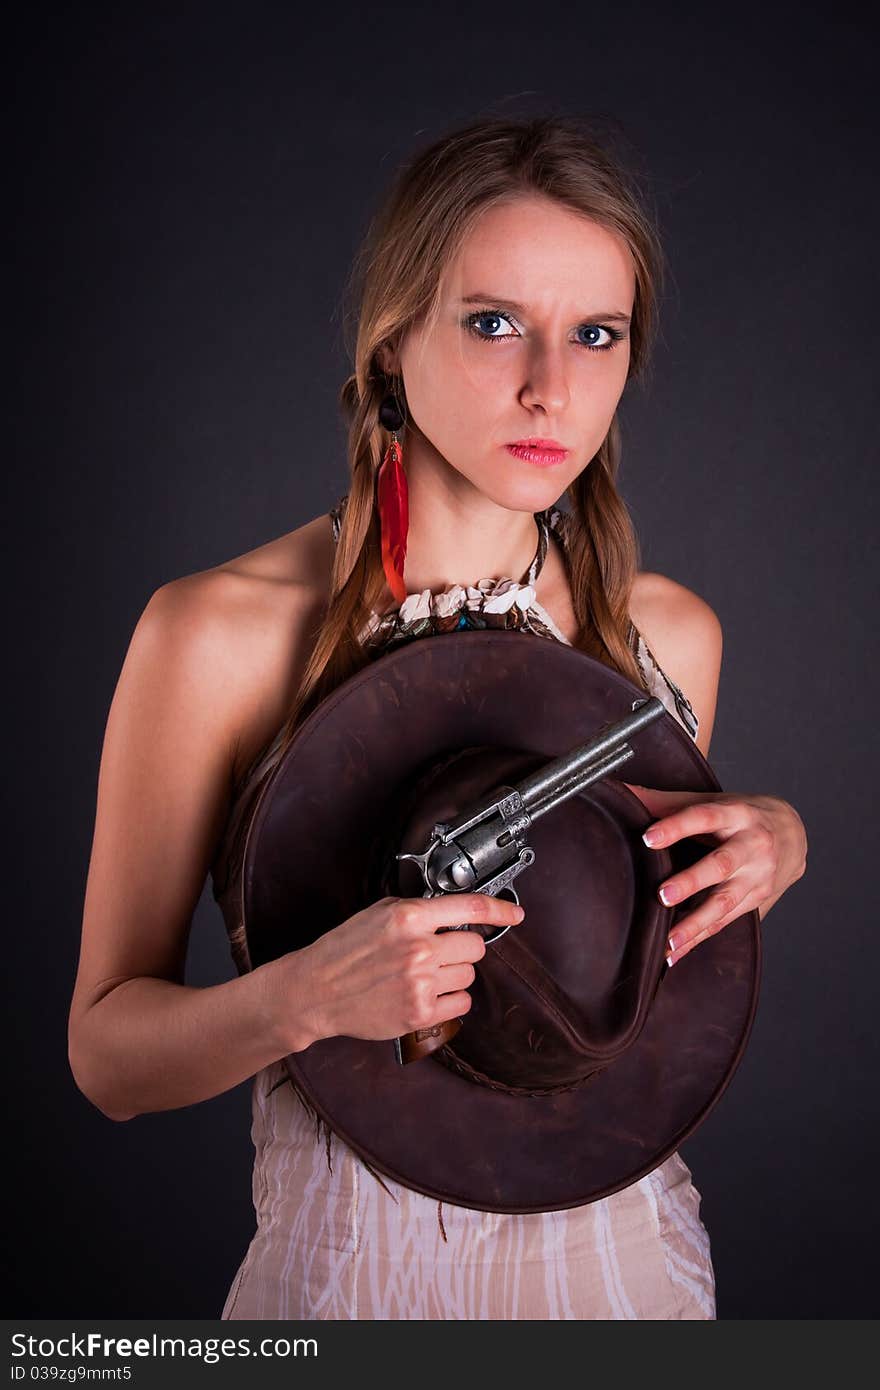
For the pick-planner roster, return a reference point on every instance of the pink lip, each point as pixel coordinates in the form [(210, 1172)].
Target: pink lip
[(543, 452), (532, 441)]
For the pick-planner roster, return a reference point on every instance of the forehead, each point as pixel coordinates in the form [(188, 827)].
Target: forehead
[(537, 251)]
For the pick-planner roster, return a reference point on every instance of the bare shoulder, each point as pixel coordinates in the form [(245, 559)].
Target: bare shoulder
[(684, 634), (660, 606), (302, 557), (248, 623)]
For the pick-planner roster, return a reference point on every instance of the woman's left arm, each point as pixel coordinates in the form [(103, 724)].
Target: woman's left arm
[(760, 843)]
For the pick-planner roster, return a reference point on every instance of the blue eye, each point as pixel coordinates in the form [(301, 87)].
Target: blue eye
[(472, 320), (470, 323), (597, 328)]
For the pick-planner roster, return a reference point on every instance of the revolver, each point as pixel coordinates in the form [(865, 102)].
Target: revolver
[(487, 847)]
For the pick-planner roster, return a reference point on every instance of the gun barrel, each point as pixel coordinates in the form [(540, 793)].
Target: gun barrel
[(590, 772), (577, 766)]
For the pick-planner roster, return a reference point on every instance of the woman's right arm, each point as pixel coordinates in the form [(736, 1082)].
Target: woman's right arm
[(139, 1039)]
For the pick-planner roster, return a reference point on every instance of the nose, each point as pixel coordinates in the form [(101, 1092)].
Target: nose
[(546, 384)]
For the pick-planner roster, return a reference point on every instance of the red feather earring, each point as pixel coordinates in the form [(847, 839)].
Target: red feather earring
[(393, 500)]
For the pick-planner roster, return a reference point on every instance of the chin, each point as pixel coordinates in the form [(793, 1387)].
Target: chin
[(526, 494)]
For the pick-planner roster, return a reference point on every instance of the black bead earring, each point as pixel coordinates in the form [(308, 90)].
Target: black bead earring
[(390, 414)]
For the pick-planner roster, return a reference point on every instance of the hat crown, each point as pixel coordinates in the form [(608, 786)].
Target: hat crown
[(567, 991)]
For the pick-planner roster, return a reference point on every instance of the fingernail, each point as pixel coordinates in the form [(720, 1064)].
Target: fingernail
[(652, 837), (670, 893), (669, 960), (673, 944), (520, 914)]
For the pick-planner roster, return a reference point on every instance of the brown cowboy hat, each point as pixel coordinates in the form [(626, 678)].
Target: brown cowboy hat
[(584, 1060)]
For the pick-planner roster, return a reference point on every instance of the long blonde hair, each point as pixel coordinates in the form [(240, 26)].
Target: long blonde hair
[(433, 203)]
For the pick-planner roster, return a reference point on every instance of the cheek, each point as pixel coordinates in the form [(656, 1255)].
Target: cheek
[(476, 375), (601, 386), (456, 391)]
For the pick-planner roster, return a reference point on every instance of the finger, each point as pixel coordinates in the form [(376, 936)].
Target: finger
[(705, 817), (723, 861), (718, 911), (477, 909), (459, 976), (452, 1005), (459, 947)]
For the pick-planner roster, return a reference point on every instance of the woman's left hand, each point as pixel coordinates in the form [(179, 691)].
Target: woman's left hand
[(760, 851)]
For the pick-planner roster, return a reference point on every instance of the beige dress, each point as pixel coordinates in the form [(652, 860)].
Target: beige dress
[(334, 1239)]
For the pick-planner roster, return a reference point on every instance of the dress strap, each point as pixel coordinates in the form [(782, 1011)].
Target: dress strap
[(663, 686), (336, 514), (543, 522)]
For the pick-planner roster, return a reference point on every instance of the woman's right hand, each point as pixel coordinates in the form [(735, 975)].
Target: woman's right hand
[(388, 970)]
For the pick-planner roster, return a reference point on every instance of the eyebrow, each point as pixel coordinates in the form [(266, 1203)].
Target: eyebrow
[(504, 303)]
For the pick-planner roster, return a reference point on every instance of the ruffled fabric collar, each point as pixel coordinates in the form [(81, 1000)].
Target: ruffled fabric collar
[(493, 603)]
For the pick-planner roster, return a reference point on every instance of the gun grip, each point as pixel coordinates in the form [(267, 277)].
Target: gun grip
[(424, 1041)]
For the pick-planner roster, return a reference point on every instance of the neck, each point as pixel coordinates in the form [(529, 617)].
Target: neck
[(458, 535)]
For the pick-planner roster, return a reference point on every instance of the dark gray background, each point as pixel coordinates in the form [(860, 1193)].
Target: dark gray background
[(190, 185)]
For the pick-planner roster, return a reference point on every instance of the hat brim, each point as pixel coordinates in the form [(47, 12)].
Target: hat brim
[(307, 868)]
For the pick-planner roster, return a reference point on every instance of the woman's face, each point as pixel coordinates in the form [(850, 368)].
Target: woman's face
[(489, 373)]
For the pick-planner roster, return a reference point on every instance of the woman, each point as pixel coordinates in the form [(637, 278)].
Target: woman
[(508, 294)]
